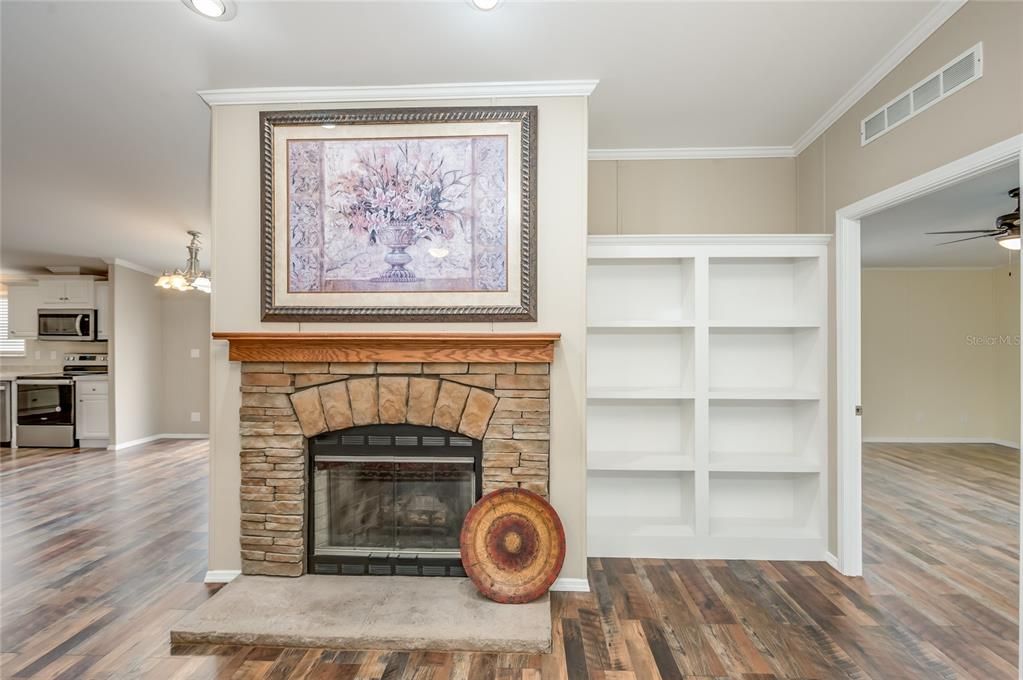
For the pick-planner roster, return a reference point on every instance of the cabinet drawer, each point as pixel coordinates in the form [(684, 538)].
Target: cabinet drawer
[(92, 387)]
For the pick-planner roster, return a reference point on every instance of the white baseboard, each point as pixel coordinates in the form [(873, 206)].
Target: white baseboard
[(940, 440), (832, 560), (562, 585), (571, 585), (221, 575), (153, 438)]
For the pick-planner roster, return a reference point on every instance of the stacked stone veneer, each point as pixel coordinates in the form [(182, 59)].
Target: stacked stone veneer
[(506, 405)]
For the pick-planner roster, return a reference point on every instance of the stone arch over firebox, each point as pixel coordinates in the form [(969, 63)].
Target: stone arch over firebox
[(394, 400)]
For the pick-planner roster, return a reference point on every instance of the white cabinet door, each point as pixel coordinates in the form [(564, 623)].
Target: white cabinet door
[(92, 421), (22, 311), (102, 310), (68, 292), (79, 293), (51, 292)]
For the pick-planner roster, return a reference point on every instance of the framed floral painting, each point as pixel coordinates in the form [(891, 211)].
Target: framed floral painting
[(407, 214)]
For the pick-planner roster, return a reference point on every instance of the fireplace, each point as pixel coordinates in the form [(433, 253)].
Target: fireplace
[(361, 453), (390, 499)]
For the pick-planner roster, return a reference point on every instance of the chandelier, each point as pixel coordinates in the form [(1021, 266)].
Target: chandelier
[(191, 278)]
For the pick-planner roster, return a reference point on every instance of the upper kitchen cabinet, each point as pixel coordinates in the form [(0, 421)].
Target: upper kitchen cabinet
[(22, 311), (70, 292), (102, 310)]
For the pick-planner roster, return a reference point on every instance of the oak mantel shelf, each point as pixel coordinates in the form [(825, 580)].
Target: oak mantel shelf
[(392, 347)]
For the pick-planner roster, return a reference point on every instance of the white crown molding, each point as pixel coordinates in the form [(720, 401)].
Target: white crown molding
[(691, 153), (128, 264), (708, 239), (323, 95), (923, 30)]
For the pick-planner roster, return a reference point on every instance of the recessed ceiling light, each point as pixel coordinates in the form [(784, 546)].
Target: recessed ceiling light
[(485, 5), (219, 10)]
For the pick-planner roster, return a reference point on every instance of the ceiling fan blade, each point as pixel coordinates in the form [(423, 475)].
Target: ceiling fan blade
[(966, 231), (969, 238)]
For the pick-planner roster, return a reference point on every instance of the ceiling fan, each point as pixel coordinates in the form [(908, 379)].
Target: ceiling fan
[(1005, 231)]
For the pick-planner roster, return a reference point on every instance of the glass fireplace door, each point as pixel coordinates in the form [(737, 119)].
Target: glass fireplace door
[(393, 504)]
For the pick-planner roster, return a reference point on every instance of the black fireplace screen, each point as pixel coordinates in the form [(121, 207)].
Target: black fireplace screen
[(390, 498), (394, 502)]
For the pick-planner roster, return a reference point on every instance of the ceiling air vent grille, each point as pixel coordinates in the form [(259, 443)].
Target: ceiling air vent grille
[(947, 80)]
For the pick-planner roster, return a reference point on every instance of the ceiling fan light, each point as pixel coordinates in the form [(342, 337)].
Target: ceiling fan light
[(1008, 241)]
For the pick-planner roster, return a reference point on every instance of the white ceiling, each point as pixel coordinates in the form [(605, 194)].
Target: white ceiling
[(106, 145), (896, 237)]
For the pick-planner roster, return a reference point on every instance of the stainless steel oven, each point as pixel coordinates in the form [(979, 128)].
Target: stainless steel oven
[(46, 411), (67, 324)]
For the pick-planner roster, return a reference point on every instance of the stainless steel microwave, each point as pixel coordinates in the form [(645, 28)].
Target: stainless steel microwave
[(67, 324)]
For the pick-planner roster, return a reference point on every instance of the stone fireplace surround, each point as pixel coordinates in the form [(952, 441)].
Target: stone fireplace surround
[(500, 394)]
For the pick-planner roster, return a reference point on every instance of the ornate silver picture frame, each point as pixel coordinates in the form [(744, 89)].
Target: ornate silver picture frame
[(400, 214)]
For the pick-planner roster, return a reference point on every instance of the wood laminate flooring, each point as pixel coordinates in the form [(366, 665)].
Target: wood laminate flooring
[(103, 551)]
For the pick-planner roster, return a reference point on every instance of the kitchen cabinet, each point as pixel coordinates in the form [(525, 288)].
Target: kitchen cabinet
[(92, 421), (68, 292), (102, 310), (22, 311)]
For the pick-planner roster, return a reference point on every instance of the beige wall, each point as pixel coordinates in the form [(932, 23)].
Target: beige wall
[(836, 171), (933, 358), (136, 361), (1006, 366), (561, 213), (155, 384), (186, 379), (727, 196)]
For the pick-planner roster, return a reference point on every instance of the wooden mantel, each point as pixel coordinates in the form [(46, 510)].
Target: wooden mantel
[(392, 347)]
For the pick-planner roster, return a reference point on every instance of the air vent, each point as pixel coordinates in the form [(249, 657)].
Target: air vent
[(899, 111), (958, 73), (401, 440), (926, 93), (459, 441), (944, 82), (352, 440), (429, 440)]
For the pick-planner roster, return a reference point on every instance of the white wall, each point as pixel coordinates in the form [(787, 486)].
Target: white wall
[(934, 361), (155, 383), (136, 355), (561, 211)]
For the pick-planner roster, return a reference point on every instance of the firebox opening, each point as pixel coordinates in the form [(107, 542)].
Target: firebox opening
[(391, 499)]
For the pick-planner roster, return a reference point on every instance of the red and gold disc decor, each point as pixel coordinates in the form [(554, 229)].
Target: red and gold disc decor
[(513, 545)]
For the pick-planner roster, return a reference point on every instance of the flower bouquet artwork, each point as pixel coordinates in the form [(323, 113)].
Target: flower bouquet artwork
[(424, 215)]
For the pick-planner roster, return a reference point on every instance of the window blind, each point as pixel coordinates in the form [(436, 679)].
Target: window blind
[(8, 346)]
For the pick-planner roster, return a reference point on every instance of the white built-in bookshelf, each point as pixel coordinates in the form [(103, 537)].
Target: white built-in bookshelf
[(706, 398)]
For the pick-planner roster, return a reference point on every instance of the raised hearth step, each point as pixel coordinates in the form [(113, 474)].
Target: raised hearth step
[(365, 612)]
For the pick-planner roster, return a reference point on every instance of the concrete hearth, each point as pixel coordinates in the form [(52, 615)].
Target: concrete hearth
[(366, 612)]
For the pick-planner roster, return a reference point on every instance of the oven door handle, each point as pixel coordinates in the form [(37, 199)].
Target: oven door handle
[(44, 382)]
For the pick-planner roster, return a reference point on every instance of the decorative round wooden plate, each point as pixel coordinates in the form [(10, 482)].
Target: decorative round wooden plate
[(513, 545)]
